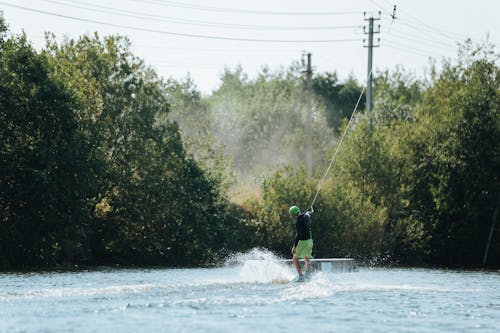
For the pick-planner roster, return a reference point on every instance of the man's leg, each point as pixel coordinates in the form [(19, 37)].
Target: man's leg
[(308, 264), (297, 264), (308, 254)]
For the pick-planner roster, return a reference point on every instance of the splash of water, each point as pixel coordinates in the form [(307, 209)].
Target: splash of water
[(261, 266)]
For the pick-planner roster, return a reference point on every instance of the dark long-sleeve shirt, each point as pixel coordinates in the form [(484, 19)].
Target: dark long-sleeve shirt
[(303, 228)]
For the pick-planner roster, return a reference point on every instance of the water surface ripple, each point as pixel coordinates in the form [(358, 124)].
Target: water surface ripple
[(250, 296)]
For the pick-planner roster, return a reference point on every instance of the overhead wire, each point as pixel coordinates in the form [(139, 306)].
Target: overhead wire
[(424, 52), (159, 18), (406, 35), (204, 49), (180, 34), (147, 16), (243, 11), (406, 50), (422, 31), (422, 42)]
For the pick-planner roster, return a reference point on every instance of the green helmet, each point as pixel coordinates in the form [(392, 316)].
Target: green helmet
[(294, 210)]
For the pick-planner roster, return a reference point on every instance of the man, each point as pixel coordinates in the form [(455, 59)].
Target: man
[(303, 243)]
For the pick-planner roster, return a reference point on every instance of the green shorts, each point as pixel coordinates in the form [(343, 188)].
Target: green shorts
[(304, 248)]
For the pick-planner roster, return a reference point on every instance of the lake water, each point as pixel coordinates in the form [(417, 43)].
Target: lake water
[(250, 295)]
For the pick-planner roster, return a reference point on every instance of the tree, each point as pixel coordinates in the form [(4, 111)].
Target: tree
[(463, 107), (397, 93), (153, 203), (340, 98), (42, 158)]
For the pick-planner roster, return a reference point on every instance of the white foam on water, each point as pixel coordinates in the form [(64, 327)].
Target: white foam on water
[(77, 291), (362, 287), (319, 286)]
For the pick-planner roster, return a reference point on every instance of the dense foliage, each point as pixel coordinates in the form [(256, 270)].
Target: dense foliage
[(92, 173), (102, 162)]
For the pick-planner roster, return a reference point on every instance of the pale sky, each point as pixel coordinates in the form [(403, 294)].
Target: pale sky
[(202, 37)]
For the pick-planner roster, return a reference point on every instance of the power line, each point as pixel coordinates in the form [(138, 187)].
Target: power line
[(179, 34), (243, 11), (215, 50), (402, 49), (422, 37), (424, 30), (421, 40), (411, 48), (159, 18)]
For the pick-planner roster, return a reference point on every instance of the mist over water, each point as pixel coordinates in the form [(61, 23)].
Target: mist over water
[(250, 293)]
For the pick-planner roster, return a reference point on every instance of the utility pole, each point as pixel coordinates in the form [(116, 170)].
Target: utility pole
[(309, 118), (370, 58)]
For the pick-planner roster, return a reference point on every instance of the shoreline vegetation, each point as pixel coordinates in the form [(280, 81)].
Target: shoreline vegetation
[(105, 163)]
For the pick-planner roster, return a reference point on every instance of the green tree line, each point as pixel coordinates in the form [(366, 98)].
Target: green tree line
[(103, 162)]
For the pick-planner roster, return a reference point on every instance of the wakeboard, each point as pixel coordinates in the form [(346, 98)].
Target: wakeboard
[(304, 278)]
